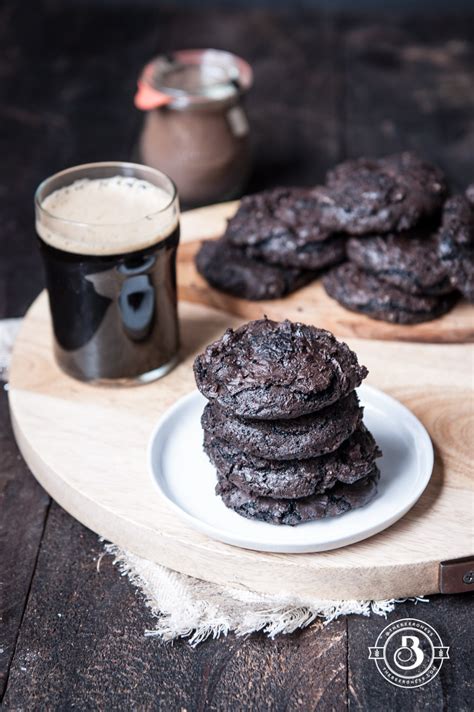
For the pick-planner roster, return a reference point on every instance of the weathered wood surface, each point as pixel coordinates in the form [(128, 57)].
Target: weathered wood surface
[(23, 510), (410, 84), (82, 646), (325, 88)]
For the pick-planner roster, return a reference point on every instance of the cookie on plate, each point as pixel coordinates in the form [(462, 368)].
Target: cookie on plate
[(369, 195), (289, 479), (338, 500), (408, 260), (230, 270), (291, 439), (273, 370), (281, 226), (456, 242), (363, 292)]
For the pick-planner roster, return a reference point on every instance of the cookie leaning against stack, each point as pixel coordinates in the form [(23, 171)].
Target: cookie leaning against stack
[(283, 426)]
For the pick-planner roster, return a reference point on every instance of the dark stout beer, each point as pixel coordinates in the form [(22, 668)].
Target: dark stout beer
[(109, 251)]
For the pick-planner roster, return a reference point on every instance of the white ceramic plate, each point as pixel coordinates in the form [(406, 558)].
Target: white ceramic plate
[(186, 478)]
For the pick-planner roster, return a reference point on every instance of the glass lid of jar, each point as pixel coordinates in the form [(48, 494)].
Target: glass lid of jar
[(192, 77)]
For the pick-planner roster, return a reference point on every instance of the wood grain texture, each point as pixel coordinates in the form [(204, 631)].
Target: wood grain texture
[(82, 646), (73, 437), (311, 304), (23, 509)]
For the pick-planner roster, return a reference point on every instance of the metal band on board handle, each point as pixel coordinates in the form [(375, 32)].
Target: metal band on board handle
[(457, 575)]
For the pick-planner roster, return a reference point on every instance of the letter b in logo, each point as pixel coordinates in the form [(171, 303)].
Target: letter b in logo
[(409, 655)]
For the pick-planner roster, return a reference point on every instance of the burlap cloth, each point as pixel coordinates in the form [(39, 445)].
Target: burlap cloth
[(185, 607)]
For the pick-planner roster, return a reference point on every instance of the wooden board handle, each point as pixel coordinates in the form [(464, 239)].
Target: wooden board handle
[(457, 575)]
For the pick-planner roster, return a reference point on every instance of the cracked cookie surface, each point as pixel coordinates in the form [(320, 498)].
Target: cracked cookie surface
[(231, 270), (295, 438), (408, 260), (365, 293), (273, 370), (338, 500), (370, 195), (282, 226), (289, 479)]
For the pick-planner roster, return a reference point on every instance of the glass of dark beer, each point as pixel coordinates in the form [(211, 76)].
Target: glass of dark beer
[(108, 235)]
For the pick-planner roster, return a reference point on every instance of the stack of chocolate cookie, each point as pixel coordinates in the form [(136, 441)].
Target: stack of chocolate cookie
[(382, 214), (273, 245), (283, 426), (389, 207)]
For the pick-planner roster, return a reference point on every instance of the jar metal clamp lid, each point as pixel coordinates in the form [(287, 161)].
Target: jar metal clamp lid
[(191, 78)]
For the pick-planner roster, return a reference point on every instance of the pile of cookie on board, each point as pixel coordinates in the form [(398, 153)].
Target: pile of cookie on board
[(389, 241), (283, 425)]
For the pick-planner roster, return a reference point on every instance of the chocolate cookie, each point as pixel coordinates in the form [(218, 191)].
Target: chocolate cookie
[(273, 370), (289, 479), (284, 250), (281, 226), (230, 270), (408, 260), (362, 292), (338, 500), (379, 195), (274, 212), (293, 439), (470, 193), (456, 242)]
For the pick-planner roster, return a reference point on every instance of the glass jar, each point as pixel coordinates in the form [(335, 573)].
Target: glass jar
[(196, 129)]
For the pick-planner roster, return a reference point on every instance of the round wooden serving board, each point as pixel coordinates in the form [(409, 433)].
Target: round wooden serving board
[(310, 304), (87, 446)]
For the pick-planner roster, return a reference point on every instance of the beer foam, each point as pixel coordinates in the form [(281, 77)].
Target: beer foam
[(106, 216)]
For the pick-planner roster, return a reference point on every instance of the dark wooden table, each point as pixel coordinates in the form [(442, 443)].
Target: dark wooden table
[(326, 87)]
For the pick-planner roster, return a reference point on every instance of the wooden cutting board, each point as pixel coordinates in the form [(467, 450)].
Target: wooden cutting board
[(310, 304), (87, 446)]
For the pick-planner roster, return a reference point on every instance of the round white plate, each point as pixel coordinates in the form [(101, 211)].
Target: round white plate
[(187, 479)]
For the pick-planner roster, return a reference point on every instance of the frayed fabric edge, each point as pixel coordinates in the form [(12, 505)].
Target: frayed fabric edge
[(179, 614)]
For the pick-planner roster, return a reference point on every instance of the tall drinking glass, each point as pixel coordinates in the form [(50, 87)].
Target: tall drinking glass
[(108, 234)]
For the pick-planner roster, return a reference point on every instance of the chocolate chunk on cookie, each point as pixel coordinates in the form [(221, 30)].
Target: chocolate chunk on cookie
[(289, 479), (338, 500), (408, 260), (291, 439), (363, 292), (456, 242), (312, 255), (370, 195), (281, 226), (271, 370), (231, 270)]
